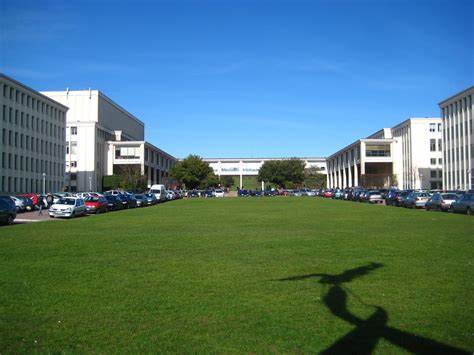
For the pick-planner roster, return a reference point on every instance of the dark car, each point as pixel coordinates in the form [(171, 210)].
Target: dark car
[(141, 200), (244, 193), (150, 199), (401, 196), (464, 204), (128, 201), (114, 203), (7, 211), (194, 193)]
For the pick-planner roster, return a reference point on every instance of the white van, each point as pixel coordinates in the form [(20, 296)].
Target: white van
[(159, 191)]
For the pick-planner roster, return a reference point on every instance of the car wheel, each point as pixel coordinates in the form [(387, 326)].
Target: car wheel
[(439, 209), (10, 219), (427, 207), (73, 214), (451, 209), (469, 211), (97, 211)]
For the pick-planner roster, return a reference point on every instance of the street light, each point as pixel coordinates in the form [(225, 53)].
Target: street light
[(44, 183)]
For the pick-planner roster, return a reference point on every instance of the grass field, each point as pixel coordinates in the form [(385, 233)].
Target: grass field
[(281, 275)]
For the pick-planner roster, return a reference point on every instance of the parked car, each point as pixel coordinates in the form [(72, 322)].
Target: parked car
[(440, 201), (219, 193), (374, 196), (68, 207), (33, 198), (328, 193), (29, 206), (19, 204), (150, 199), (112, 192), (96, 204), (338, 194), (128, 201), (141, 200), (207, 193), (114, 203), (159, 191), (416, 200), (464, 204), (401, 197), (7, 211), (194, 193)]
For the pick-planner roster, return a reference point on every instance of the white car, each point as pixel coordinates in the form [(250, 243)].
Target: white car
[(219, 193), (68, 207)]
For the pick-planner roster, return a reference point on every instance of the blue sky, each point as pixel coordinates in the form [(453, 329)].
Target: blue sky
[(248, 78)]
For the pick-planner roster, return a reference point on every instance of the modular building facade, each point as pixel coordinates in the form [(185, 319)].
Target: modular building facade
[(250, 166), (458, 140), (33, 140), (96, 129), (407, 156)]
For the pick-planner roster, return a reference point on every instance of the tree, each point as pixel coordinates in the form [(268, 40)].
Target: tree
[(314, 179), (282, 173), (227, 181), (194, 172), (131, 177)]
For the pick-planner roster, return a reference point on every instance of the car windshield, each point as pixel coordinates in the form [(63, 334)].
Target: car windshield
[(67, 201), (140, 197), (449, 197), (92, 199)]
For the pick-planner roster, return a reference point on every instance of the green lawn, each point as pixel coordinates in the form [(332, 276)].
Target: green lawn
[(268, 275)]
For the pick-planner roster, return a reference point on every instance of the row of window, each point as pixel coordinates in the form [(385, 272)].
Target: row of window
[(19, 162), (25, 120), (26, 185), (433, 161), (433, 127), (32, 103), (457, 154), (13, 139), (433, 145), (160, 159)]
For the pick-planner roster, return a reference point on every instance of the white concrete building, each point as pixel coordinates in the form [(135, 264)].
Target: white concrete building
[(458, 140), (250, 166), (407, 156), (153, 163), (95, 127), (32, 143)]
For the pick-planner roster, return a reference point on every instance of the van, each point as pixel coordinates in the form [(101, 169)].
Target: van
[(159, 191)]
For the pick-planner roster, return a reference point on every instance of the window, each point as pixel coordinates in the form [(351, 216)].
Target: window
[(439, 127), (73, 131), (433, 161), (432, 127), (440, 145), (377, 150), (433, 174), (73, 147), (440, 161), (432, 145)]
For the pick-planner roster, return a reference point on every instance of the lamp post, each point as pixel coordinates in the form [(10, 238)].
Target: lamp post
[(90, 183), (44, 183)]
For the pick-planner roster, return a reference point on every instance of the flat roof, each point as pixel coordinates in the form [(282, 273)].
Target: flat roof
[(465, 91), (46, 98)]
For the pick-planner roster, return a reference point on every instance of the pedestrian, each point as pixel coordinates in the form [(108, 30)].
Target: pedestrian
[(40, 205)]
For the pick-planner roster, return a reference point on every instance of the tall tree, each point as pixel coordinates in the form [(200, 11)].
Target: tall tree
[(282, 173), (193, 172), (313, 178)]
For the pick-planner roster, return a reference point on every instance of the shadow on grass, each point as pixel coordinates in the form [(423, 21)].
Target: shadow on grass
[(367, 332)]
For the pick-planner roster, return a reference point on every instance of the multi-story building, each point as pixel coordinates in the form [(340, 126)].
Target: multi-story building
[(250, 166), (100, 137), (407, 156), (458, 140), (32, 147)]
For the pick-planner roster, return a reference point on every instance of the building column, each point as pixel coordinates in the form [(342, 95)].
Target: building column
[(350, 177)]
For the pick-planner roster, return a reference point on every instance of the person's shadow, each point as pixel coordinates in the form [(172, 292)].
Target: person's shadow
[(367, 332)]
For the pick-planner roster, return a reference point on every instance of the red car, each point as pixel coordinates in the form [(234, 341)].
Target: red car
[(328, 193), (96, 204)]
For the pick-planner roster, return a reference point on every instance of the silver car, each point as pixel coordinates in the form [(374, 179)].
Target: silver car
[(374, 197), (440, 201)]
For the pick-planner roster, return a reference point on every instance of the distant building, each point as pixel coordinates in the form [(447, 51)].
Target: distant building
[(458, 140), (407, 156), (32, 144), (241, 167), (100, 137)]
